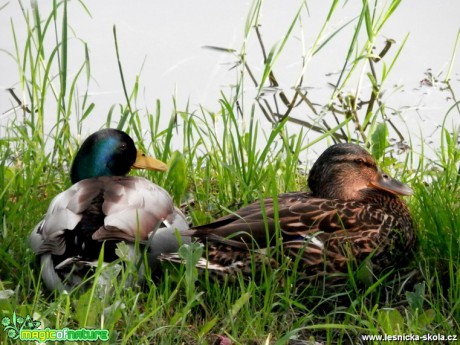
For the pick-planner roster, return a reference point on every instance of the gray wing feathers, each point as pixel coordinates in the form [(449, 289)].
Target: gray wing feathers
[(167, 239), (133, 207)]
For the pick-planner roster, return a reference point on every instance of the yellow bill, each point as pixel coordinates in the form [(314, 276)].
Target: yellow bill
[(146, 162)]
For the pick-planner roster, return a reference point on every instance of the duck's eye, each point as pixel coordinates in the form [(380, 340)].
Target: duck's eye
[(123, 147), (364, 163)]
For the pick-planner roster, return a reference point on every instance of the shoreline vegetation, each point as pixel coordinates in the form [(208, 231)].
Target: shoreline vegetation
[(219, 167)]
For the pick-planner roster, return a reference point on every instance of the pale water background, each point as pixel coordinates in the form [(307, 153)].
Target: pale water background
[(166, 39)]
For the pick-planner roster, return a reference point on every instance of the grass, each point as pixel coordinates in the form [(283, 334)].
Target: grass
[(226, 160)]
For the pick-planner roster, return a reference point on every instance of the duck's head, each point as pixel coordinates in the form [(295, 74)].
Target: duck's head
[(348, 172), (110, 152)]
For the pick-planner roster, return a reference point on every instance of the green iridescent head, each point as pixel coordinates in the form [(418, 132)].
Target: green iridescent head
[(110, 152)]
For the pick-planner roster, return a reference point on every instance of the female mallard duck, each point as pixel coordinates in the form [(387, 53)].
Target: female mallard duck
[(352, 213), (104, 206)]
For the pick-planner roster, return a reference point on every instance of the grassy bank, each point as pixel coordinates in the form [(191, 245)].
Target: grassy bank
[(225, 160)]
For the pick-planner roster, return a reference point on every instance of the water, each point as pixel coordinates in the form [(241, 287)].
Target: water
[(162, 41)]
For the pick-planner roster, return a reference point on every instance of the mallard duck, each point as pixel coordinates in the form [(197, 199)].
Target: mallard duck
[(103, 206), (351, 214)]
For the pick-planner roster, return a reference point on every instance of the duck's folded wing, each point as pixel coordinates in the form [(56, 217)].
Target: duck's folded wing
[(64, 213), (330, 232), (131, 208), (335, 217), (300, 217), (248, 224), (254, 224), (134, 208)]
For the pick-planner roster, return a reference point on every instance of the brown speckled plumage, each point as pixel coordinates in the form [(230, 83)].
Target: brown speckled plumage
[(352, 212)]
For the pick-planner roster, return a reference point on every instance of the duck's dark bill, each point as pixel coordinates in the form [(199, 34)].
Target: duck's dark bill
[(389, 184), (146, 162)]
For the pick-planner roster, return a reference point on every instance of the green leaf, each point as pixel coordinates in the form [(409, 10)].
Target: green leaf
[(88, 310), (364, 273), (208, 326), (391, 321), (415, 299), (177, 176), (191, 254), (379, 140), (240, 303), (426, 318)]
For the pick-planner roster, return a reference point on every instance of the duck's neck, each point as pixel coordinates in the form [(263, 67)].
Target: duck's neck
[(377, 196)]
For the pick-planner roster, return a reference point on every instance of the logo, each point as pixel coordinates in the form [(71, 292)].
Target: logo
[(27, 329)]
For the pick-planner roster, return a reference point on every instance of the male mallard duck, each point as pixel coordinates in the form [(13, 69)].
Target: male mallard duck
[(353, 212), (104, 206)]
